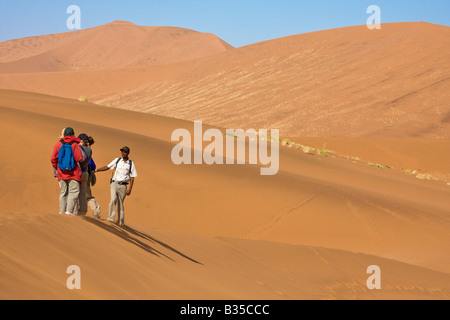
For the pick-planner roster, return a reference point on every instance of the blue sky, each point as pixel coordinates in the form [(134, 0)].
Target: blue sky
[(238, 22)]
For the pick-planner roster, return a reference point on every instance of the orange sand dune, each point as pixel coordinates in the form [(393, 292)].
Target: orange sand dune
[(203, 231), (113, 45), (147, 263), (342, 82)]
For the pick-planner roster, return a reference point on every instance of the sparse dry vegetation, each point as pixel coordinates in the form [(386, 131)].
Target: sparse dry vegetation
[(83, 98), (324, 152)]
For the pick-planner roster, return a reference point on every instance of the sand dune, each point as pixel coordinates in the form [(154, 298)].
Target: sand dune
[(225, 231), (113, 45), (342, 82), (309, 232), (146, 263)]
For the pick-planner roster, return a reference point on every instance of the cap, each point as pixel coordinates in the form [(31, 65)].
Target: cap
[(83, 136), (126, 149), (68, 132)]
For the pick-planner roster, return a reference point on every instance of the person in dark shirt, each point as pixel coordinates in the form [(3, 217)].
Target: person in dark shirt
[(92, 203), (84, 165)]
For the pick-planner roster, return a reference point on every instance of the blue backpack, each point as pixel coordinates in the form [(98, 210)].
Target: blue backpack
[(66, 160)]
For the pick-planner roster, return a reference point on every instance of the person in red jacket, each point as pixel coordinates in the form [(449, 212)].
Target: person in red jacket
[(69, 181)]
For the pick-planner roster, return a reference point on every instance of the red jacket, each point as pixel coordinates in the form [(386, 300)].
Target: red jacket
[(76, 172)]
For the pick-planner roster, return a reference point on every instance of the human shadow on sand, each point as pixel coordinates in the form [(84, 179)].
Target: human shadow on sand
[(127, 233)]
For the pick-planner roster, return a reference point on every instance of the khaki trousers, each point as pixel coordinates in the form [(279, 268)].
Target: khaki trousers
[(118, 194), (70, 189), (91, 202), (83, 193)]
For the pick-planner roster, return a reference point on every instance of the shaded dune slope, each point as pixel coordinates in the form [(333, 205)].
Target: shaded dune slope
[(147, 263)]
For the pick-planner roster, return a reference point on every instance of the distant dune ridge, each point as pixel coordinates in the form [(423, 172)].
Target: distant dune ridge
[(226, 232), (114, 45), (342, 82)]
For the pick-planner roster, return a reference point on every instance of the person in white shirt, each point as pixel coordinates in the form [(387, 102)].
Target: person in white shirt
[(121, 184)]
